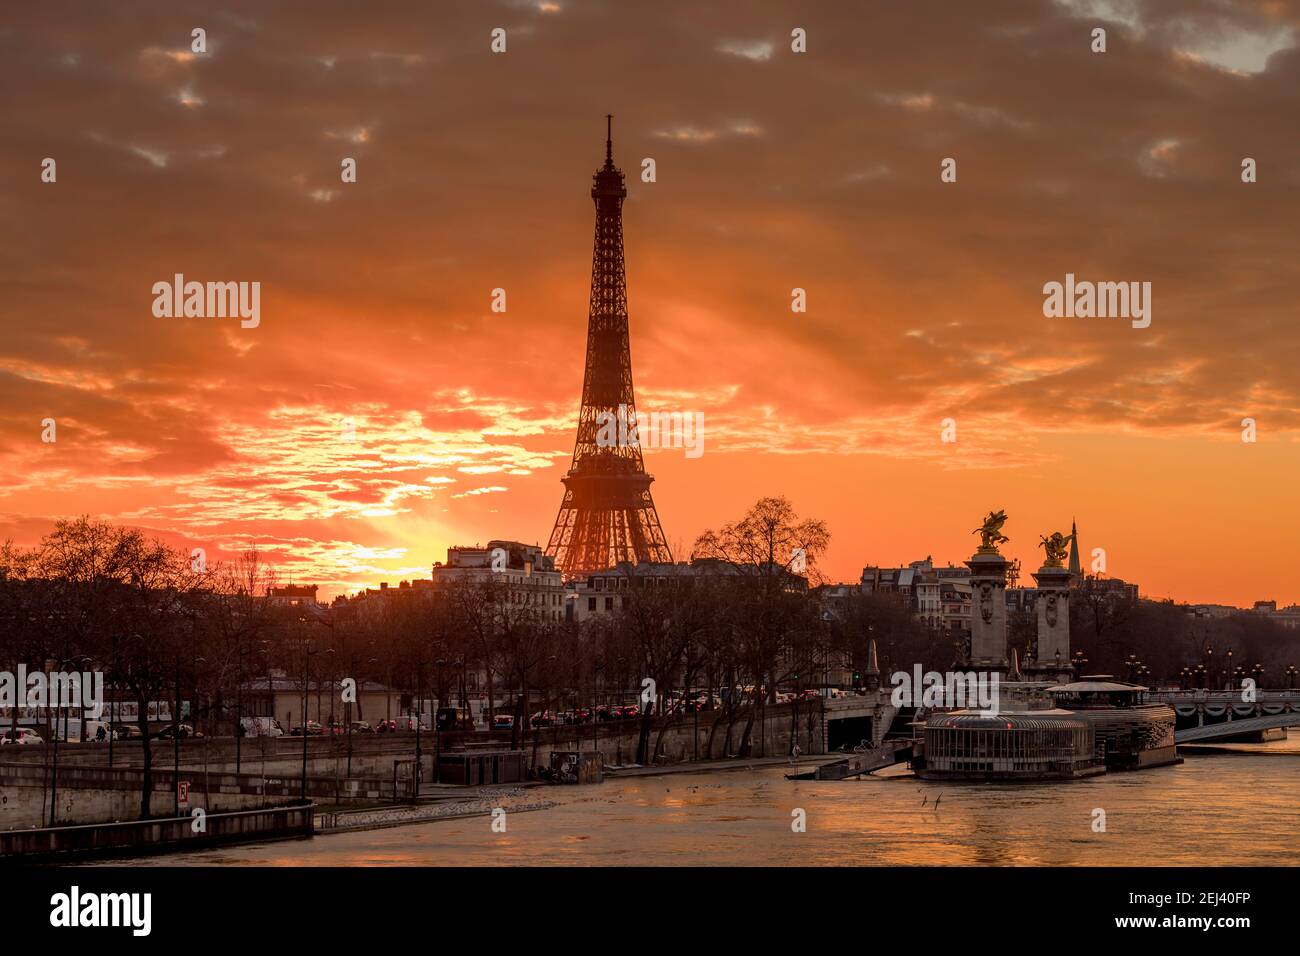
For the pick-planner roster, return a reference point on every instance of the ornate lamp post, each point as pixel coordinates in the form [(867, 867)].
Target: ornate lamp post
[(1290, 676), (1080, 662), (1258, 673)]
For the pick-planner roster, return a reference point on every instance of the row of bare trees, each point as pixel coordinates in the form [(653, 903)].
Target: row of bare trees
[(94, 596), (743, 623)]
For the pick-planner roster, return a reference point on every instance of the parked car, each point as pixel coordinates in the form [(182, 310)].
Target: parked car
[(702, 702), (385, 726), (128, 732), (314, 729), (503, 722), (362, 727), (543, 718), (21, 735), (177, 730), (625, 712)]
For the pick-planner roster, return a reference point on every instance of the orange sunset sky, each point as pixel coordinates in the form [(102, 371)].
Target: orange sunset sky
[(775, 170)]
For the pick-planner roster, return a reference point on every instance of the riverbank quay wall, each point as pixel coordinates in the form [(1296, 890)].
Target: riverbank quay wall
[(130, 838), (382, 766), (818, 725), (94, 795)]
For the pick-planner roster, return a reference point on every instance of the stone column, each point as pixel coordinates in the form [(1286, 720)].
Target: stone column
[(1053, 606), (988, 625)]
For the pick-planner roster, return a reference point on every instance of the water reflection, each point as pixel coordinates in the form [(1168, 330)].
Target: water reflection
[(1229, 809)]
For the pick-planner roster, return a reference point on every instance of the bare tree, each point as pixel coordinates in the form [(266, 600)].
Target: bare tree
[(771, 553)]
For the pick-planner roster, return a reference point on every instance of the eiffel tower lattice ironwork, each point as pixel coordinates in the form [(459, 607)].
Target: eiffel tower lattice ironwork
[(607, 514)]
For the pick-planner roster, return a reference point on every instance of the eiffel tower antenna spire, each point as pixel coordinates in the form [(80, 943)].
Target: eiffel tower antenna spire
[(607, 515)]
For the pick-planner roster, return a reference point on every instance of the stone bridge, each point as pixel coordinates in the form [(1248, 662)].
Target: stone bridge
[(1203, 715), (848, 721)]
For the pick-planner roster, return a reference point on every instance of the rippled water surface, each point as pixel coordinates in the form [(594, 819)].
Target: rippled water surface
[(1230, 809)]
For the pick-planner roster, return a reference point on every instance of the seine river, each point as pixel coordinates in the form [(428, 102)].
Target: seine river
[(1225, 809)]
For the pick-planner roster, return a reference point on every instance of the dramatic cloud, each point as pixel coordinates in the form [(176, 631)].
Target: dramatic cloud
[(381, 410)]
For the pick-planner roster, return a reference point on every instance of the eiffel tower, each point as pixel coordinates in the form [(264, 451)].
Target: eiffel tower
[(607, 514)]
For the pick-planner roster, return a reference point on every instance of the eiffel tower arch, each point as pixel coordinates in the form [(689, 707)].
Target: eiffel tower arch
[(607, 514)]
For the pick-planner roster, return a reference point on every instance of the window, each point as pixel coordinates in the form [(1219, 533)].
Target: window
[(591, 604), (609, 604)]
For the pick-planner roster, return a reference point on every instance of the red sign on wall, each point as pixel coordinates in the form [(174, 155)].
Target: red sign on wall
[(183, 790)]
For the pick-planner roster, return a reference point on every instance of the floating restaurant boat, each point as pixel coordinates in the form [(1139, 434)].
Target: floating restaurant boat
[(1131, 733), (1046, 744)]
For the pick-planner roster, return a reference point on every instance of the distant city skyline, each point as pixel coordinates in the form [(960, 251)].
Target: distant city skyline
[(380, 411)]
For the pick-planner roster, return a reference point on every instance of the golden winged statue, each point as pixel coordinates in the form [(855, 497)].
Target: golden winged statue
[(1055, 546), (990, 532)]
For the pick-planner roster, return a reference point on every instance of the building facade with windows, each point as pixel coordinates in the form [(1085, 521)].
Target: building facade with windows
[(525, 572)]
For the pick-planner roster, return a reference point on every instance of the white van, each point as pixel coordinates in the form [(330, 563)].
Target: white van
[(90, 732), (261, 727)]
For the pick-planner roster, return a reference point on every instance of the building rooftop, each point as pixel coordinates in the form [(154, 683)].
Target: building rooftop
[(1095, 686), (1053, 718)]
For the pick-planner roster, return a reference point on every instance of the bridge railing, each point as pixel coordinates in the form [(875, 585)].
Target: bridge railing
[(1261, 693)]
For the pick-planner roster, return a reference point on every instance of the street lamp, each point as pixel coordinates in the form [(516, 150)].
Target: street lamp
[(239, 706), (176, 739), (54, 772), (463, 717), (1290, 676), (306, 682), (441, 664), (695, 709), (548, 703), (329, 679), (597, 669), (112, 698), (419, 691)]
